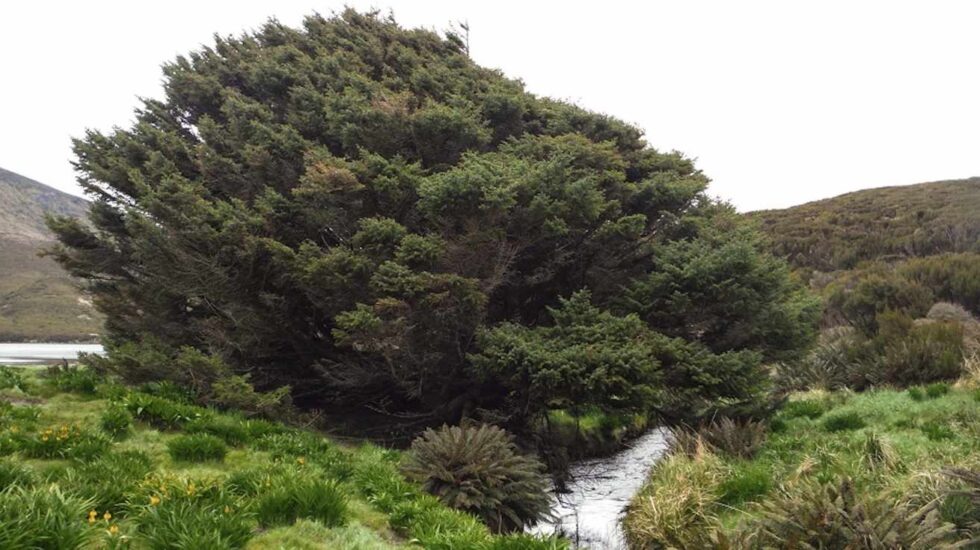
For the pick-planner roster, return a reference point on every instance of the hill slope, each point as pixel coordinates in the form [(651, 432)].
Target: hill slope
[(878, 224), (38, 301)]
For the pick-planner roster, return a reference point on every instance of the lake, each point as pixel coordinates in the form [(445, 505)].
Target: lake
[(26, 354)]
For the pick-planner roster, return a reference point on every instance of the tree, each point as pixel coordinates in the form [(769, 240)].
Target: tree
[(345, 207)]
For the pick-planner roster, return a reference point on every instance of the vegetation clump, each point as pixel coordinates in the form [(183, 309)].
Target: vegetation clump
[(197, 448), (478, 469), (116, 421), (293, 498)]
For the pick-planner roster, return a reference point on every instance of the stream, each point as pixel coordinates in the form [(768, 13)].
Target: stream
[(589, 513)]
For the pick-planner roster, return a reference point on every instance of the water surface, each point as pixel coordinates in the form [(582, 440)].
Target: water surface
[(26, 354), (589, 514)]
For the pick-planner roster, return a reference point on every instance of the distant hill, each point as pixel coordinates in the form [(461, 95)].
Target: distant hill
[(38, 300), (887, 223)]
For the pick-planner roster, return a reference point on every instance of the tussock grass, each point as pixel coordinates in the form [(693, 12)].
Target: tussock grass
[(891, 446)]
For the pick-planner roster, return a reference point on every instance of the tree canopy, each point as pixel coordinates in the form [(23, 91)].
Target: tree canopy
[(361, 212)]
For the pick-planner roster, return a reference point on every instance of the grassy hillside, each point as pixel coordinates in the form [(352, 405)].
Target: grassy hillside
[(38, 301), (90, 464), (878, 224)]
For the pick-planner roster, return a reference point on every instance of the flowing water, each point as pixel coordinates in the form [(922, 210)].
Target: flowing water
[(589, 514), (27, 354)]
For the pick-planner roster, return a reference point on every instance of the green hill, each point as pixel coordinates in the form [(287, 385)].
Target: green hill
[(887, 223), (38, 301)]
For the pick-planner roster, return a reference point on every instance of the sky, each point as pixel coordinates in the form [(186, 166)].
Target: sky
[(779, 102)]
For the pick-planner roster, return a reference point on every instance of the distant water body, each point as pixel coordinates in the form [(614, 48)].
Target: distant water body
[(27, 354)]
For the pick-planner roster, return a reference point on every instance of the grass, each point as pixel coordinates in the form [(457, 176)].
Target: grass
[(124, 468), (888, 442)]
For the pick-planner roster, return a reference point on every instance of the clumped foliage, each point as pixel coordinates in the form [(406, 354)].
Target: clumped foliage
[(357, 210), (843, 421), (197, 448), (739, 439), (478, 469), (116, 421), (837, 516), (73, 379), (294, 498), (44, 518), (675, 508)]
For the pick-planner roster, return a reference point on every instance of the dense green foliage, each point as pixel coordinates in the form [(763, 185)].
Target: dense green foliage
[(885, 223), (478, 469), (358, 210), (280, 487)]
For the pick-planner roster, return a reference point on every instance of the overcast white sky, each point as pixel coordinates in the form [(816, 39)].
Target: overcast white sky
[(781, 102)]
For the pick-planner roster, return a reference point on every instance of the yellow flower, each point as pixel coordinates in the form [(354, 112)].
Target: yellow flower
[(301, 460), (91, 516), (107, 516), (44, 438), (227, 509), (154, 500), (113, 529)]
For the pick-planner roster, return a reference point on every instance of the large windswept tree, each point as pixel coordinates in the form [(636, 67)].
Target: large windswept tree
[(358, 210)]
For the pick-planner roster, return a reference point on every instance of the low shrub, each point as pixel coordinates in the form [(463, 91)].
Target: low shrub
[(109, 480), (962, 502), (675, 508), (236, 392), (916, 393), (168, 390), (11, 379), (380, 482), (74, 379), (937, 431), (197, 448), (739, 439), (808, 408), (835, 516), (927, 353), (433, 525), (478, 469), (947, 311), (937, 389), (116, 421), (878, 452), (843, 421), (831, 365), (294, 446), (745, 483), (231, 430), (293, 498), (190, 514), (65, 441), (12, 473), (44, 518), (159, 412)]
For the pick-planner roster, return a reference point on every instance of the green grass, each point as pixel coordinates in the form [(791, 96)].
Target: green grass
[(888, 442), (161, 486)]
